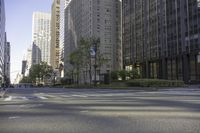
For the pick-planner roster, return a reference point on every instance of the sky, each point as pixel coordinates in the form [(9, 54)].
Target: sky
[(19, 28)]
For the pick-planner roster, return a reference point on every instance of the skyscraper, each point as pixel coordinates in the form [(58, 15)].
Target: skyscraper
[(63, 5), (2, 38), (28, 58), (41, 37), (55, 34), (97, 18), (161, 38), (6, 62)]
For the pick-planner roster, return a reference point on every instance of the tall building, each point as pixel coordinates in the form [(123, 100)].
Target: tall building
[(2, 38), (24, 67), (55, 34), (63, 5), (161, 38), (97, 18), (41, 37), (7, 62), (28, 58)]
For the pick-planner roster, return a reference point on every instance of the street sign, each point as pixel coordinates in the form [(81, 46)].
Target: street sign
[(92, 52)]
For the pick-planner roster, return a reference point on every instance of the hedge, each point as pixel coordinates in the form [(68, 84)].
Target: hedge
[(154, 83)]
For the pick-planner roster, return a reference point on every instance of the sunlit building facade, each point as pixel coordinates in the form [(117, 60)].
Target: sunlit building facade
[(161, 38), (28, 58), (55, 34), (63, 5), (41, 37), (2, 38)]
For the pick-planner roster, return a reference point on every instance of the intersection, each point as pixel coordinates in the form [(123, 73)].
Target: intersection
[(60, 110)]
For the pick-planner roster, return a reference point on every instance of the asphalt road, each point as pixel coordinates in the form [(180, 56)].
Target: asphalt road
[(52, 110)]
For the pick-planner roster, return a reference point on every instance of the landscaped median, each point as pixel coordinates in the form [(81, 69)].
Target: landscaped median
[(148, 84), (154, 83)]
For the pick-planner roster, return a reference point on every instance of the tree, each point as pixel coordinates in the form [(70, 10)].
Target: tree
[(123, 74), (81, 58), (40, 71), (26, 79), (114, 75), (76, 61), (85, 46)]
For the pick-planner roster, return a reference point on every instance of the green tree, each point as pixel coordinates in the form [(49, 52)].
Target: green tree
[(40, 71), (76, 60), (135, 74), (80, 59), (85, 46), (26, 79), (114, 75), (123, 74)]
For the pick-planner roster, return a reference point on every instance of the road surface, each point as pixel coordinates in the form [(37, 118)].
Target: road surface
[(53, 110)]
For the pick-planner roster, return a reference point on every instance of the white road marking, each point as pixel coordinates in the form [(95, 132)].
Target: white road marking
[(13, 117), (8, 98), (80, 96), (42, 97), (15, 98), (84, 111)]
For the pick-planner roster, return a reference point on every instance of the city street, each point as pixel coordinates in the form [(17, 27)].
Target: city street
[(59, 110)]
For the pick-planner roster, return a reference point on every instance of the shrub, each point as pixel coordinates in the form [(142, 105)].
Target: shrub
[(154, 83), (114, 75)]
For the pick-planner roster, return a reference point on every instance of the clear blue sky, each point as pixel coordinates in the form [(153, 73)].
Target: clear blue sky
[(19, 27)]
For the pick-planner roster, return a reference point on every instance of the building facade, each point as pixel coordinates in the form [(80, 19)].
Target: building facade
[(7, 63), (161, 38), (63, 5), (41, 37), (55, 34), (24, 67), (99, 19), (28, 58), (2, 39)]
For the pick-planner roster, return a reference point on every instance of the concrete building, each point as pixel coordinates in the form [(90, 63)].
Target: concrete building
[(97, 18), (161, 38), (29, 60), (2, 38), (41, 37), (7, 63), (55, 34), (24, 67), (63, 5)]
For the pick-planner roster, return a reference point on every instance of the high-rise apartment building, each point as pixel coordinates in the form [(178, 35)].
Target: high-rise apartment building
[(94, 18), (55, 34), (2, 38), (41, 37), (63, 5), (161, 38)]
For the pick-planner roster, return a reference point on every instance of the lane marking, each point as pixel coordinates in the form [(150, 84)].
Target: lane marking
[(84, 111), (13, 117), (42, 97), (80, 96), (8, 98)]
